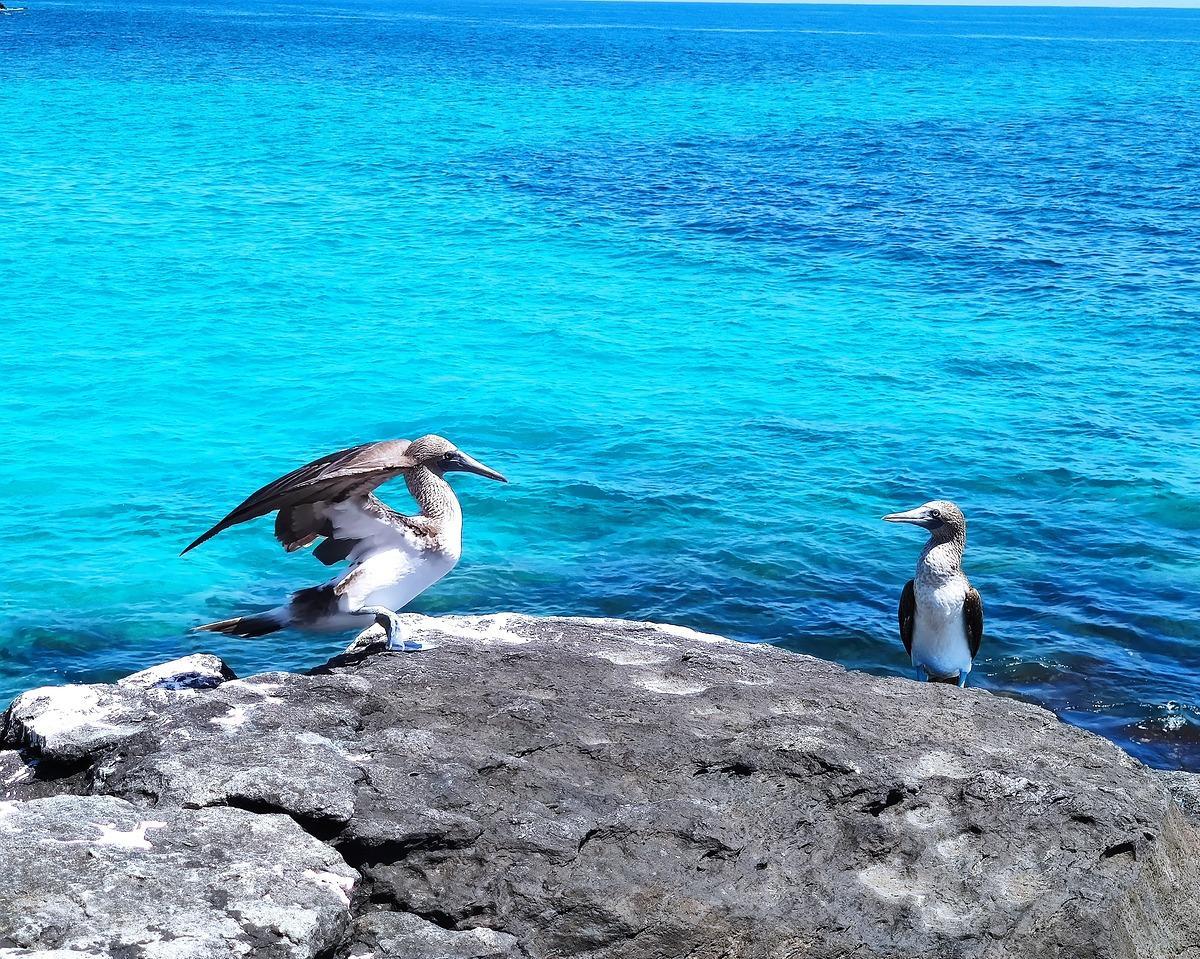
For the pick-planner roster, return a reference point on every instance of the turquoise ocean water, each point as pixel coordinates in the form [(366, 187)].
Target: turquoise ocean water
[(716, 286)]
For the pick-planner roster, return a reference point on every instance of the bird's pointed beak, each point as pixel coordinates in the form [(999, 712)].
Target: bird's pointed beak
[(916, 517), (468, 464)]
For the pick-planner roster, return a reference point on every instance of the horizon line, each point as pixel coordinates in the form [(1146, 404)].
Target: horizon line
[(970, 4)]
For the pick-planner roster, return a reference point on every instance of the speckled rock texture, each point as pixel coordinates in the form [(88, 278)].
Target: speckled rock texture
[(1185, 787), (98, 873), (552, 788)]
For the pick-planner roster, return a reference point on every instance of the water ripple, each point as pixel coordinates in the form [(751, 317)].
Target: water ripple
[(717, 286)]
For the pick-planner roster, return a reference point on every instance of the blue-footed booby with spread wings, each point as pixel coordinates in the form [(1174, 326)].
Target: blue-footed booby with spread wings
[(393, 558), (941, 614)]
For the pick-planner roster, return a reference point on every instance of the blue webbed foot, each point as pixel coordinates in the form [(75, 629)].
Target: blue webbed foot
[(390, 623)]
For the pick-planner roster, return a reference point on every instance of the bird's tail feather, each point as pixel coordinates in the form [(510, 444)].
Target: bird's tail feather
[(248, 627), (952, 680)]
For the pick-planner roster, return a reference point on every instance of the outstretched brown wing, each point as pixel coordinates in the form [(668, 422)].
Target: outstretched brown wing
[(908, 609), (338, 476), (973, 620)]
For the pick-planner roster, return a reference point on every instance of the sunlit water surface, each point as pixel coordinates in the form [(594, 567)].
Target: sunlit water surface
[(716, 286)]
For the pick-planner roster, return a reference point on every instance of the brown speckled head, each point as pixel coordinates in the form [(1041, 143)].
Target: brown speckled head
[(943, 519), (438, 455)]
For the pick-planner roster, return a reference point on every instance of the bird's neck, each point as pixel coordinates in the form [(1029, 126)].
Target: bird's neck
[(942, 556), (435, 498)]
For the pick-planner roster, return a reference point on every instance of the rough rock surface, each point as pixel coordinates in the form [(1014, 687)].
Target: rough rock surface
[(99, 873), (66, 724), (556, 788), (200, 671), (403, 934), (1185, 787)]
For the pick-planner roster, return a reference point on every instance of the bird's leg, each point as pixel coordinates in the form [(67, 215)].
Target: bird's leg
[(387, 621), (390, 623), (962, 678)]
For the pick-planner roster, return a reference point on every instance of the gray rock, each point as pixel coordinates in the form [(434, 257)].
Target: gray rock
[(201, 671), (246, 744), (386, 934), (15, 772), (623, 790), (64, 724), (1185, 787), (100, 876)]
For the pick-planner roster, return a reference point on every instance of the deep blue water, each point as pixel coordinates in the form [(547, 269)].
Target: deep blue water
[(716, 286)]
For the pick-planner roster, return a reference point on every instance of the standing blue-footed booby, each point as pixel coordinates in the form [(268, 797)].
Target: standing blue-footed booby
[(941, 614), (393, 557)]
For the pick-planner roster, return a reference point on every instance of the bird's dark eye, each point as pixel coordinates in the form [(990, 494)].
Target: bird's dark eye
[(935, 513)]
